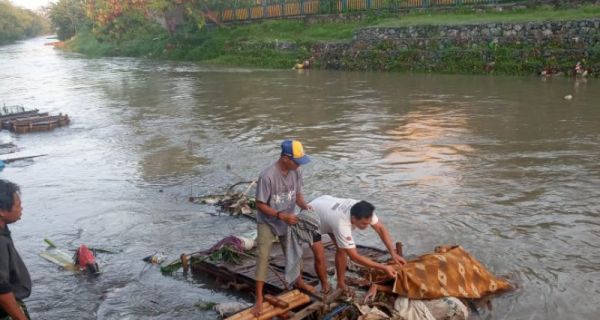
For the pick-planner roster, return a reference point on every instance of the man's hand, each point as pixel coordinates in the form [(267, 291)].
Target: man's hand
[(371, 294), (390, 271), (288, 218), (398, 259)]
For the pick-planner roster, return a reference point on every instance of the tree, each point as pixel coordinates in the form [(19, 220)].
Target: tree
[(17, 23), (68, 16)]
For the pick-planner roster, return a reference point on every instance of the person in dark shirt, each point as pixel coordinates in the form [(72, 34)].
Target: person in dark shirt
[(15, 283)]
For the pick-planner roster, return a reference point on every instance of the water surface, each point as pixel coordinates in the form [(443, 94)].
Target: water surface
[(503, 166)]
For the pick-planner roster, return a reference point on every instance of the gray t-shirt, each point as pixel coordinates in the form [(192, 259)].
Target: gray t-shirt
[(279, 192)]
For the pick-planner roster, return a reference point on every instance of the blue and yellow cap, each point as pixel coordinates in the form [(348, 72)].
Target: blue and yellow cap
[(294, 150)]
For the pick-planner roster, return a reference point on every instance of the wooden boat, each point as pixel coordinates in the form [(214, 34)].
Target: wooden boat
[(36, 124), (21, 114), (19, 120), (8, 121)]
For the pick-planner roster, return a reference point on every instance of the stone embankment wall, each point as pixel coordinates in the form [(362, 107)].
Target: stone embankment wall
[(508, 48)]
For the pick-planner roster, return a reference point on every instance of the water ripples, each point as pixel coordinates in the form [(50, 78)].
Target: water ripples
[(502, 166)]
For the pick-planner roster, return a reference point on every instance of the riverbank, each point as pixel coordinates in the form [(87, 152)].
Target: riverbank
[(515, 42)]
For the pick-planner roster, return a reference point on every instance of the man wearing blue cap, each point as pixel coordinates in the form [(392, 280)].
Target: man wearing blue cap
[(278, 191)]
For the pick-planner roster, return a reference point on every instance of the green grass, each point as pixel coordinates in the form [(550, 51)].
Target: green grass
[(543, 13), (290, 30), (259, 44), (244, 45)]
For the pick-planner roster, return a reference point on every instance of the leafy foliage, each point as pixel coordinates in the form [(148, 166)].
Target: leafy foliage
[(68, 17), (226, 254), (17, 23)]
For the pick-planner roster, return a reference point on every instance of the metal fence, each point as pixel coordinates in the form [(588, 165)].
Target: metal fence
[(283, 8)]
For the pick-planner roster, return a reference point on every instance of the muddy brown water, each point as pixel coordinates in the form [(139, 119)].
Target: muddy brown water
[(503, 166)]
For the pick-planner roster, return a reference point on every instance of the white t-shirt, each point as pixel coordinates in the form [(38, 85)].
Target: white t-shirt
[(335, 218)]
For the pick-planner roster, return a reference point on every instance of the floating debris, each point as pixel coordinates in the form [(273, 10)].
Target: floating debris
[(205, 305), (234, 203), (156, 258), (3, 162), (84, 258), (227, 309), (6, 148)]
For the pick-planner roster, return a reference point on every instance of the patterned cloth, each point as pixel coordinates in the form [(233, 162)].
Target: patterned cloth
[(449, 272), (303, 232)]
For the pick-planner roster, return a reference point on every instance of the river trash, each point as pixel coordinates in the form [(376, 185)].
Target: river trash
[(205, 305), (449, 308), (568, 97), (303, 65), (84, 259), (579, 70), (9, 160), (230, 249), (232, 202), (156, 258), (227, 309), (19, 120), (3, 162), (6, 148)]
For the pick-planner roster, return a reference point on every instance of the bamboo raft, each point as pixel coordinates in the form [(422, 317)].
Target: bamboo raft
[(238, 273), (18, 120), (242, 276)]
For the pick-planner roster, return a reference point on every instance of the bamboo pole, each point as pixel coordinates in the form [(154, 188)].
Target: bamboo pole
[(294, 298)]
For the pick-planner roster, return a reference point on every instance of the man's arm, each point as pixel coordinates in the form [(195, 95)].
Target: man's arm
[(7, 297), (301, 203), (288, 218), (387, 240), (10, 306), (356, 257)]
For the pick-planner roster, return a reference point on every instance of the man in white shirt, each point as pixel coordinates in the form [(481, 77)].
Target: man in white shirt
[(338, 218)]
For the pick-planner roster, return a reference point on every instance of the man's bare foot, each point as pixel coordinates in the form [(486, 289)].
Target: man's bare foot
[(325, 289), (257, 310)]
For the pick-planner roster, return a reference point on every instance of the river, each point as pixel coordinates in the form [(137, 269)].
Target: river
[(504, 166)]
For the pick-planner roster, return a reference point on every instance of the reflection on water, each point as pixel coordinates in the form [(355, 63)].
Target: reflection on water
[(503, 166)]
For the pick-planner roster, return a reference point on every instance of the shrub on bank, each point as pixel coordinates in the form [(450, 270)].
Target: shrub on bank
[(282, 43)]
